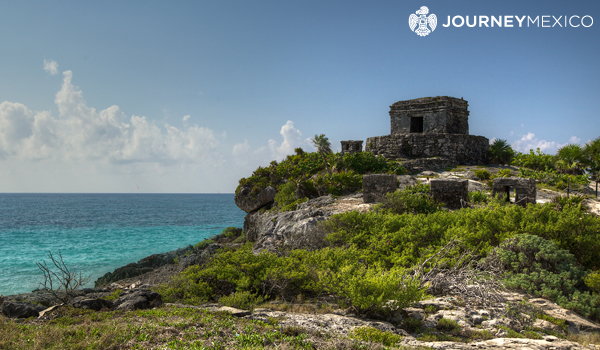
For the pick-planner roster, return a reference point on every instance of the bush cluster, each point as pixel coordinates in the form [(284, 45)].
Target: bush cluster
[(316, 174), (539, 267)]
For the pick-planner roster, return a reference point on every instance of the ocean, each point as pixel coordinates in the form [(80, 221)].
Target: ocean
[(97, 233)]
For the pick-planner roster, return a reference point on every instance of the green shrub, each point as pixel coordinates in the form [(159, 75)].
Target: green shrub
[(482, 174), (430, 309), (366, 288), (501, 152), (203, 244), (114, 295), (285, 194), (502, 173), (412, 325), (538, 267), (447, 325), (535, 161), (341, 183), (573, 200), (241, 300), (231, 232), (592, 280), (479, 197), (413, 199), (371, 334)]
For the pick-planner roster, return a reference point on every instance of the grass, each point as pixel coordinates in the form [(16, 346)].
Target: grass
[(170, 327)]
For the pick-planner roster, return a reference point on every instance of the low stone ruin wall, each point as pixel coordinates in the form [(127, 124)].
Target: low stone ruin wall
[(459, 148), (452, 192)]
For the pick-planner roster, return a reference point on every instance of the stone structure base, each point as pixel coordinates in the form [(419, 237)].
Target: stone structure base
[(376, 186), (525, 191), (459, 148), (415, 166), (452, 192)]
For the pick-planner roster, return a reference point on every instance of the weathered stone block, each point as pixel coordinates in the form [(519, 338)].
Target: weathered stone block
[(441, 114), (376, 186), (453, 192), (524, 189)]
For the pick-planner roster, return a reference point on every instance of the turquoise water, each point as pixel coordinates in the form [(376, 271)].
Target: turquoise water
[(97, 233)]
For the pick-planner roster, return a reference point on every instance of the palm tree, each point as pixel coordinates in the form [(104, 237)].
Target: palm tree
[(501, 152), (323, 146), (322, 143), (591, 154), (570, 159)]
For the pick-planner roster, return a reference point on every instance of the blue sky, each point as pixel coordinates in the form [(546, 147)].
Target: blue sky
[(142, 96)]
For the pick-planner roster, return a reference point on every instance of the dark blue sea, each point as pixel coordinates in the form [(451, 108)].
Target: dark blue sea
[(97, 233)]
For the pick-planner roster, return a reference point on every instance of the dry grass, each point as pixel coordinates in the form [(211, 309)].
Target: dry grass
[(584, 338), (301, 308)]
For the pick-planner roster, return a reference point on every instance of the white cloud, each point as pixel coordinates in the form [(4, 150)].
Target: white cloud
[(81, 132), (530, 141), (292, 138), (240, 148), (51, 67)]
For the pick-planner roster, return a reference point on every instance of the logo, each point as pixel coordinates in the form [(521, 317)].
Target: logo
[(422, 20)]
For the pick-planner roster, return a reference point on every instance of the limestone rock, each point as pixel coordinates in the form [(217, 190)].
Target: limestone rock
[(18, 309), (146, 264), (271, 230), (95, 304), (138, 299), (248, 202), (376, 186), (210, 250)]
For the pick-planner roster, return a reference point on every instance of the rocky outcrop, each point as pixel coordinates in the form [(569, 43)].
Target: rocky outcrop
[(95, 304), (145, 265), (249, 201), (19, 309), (138, 299), (272, 230)]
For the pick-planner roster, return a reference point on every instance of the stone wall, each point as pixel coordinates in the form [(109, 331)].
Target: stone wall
[(415, 166), (376, 186), (462, 149), (441, 114), (452, 192), (524, 189)]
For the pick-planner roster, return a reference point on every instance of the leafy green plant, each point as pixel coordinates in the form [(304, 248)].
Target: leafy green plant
[(114, 295), (203, 244), (537, 266), (285, 194), (413, 199), (241, 300), (502, 173), (482, 174), (537, 160), (447, 325), (592, 280), (573, 200), (501, 152), (412, 325), (430, 309), (371, 334), (570, 159), (479, 197)]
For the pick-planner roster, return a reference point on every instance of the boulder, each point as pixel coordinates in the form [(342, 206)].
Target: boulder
[(19, 309), (249, 201), (138, 299), (376, 186), (272, 230), (95, 304)]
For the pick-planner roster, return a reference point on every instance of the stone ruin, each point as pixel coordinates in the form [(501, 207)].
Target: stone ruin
[(351, 146), (376, 186), (524, 189), (453, 192), (431, 127)]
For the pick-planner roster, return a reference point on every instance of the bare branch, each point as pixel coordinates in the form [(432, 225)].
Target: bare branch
[(62, 283)]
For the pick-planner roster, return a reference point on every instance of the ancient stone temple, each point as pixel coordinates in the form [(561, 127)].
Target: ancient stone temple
[(351, 146), (431, 127)]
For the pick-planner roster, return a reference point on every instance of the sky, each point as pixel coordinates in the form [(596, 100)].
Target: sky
[(191, 96)]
